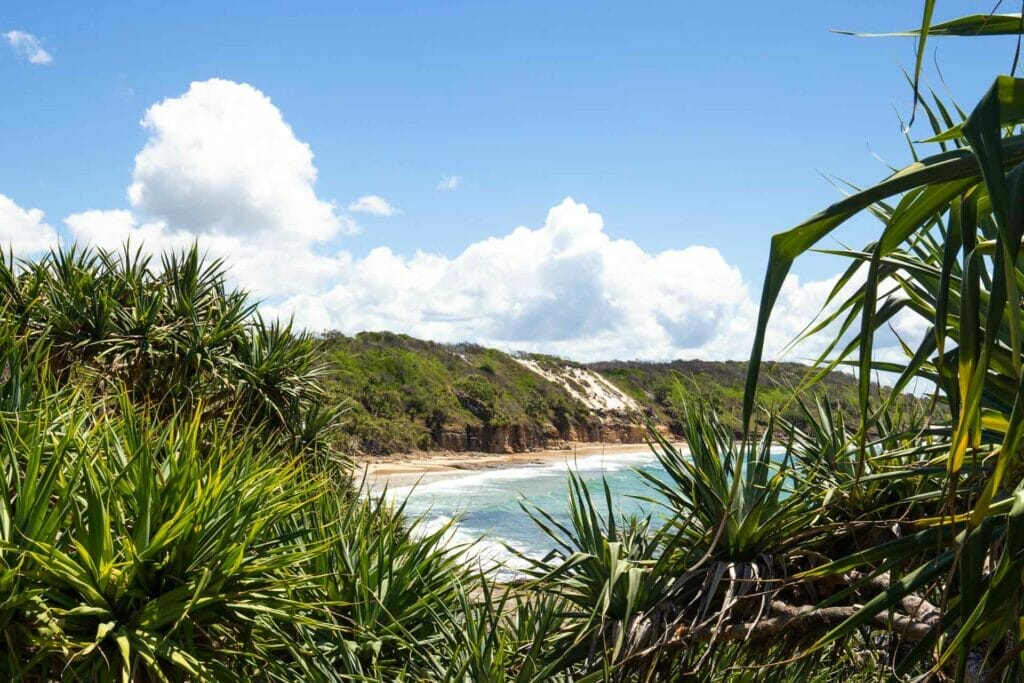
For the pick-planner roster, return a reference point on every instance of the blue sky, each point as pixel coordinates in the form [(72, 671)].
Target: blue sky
[(679, 123)]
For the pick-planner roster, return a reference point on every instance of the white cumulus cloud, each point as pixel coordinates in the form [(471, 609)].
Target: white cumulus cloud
[(23, 231), (221, 160), (28, 47), (222, 167), (449, 182), (566, 287), (373, 205)]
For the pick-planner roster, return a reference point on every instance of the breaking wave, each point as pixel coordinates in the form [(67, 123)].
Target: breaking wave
[(484, 507)]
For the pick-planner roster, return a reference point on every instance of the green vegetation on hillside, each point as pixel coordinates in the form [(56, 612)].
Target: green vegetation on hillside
[(666, 389), (401, 394)]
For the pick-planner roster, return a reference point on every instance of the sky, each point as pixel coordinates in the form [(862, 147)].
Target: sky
[(596, 180)]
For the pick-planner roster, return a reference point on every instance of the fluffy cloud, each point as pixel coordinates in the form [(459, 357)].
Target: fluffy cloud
[(220, 160), (269, 268), (222, 167), (449, 182), (28, 47), (566, 287), (23, 231), (373, 205)]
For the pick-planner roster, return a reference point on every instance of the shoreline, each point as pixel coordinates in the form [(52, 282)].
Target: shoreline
[(375, 470)]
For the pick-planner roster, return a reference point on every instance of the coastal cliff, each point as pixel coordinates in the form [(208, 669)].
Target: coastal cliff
[(520, 438), (402, 394)]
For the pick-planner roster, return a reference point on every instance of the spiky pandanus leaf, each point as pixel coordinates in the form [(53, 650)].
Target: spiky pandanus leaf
[(948, 252)]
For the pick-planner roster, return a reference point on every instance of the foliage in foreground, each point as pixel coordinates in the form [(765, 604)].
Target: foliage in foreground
[(201, 527), (720, 583), (174, 337), (892, 543), (173, 510), (948, 254), (197, 525)]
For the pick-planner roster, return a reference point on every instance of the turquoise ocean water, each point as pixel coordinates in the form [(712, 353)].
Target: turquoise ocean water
[(485, 503)]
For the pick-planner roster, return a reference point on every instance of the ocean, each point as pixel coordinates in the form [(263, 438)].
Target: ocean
[(485, 503)]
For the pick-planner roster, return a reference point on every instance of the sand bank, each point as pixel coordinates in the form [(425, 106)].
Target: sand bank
[(376, 470)]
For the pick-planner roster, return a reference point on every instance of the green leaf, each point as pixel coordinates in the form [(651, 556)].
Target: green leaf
[(971, 25)]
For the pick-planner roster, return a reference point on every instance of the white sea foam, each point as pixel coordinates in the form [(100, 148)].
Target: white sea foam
[(479, 507), (475, 480), (490, 553), (482, 504)]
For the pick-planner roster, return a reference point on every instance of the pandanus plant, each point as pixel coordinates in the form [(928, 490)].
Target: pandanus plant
[(643, 594), (147, 535), (740, 514), (604, 574), (175, 336), (948, 252), (132, 549)]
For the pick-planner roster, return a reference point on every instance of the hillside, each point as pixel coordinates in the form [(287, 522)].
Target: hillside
[(664, 388), (403, 394)]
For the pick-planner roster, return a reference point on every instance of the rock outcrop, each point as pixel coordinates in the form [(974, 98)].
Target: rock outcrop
[(612, 419), (523, 438)]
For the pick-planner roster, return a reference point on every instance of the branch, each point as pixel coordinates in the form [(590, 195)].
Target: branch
[(802, 620), (913, 605)]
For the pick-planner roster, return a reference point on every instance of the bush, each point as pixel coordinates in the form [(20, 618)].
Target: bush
[(191, 525)]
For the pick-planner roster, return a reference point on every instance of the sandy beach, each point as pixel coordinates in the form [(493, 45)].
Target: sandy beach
[(377, 469)]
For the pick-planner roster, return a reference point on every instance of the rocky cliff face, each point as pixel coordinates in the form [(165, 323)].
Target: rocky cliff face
[(612, 417), (523, 438)]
